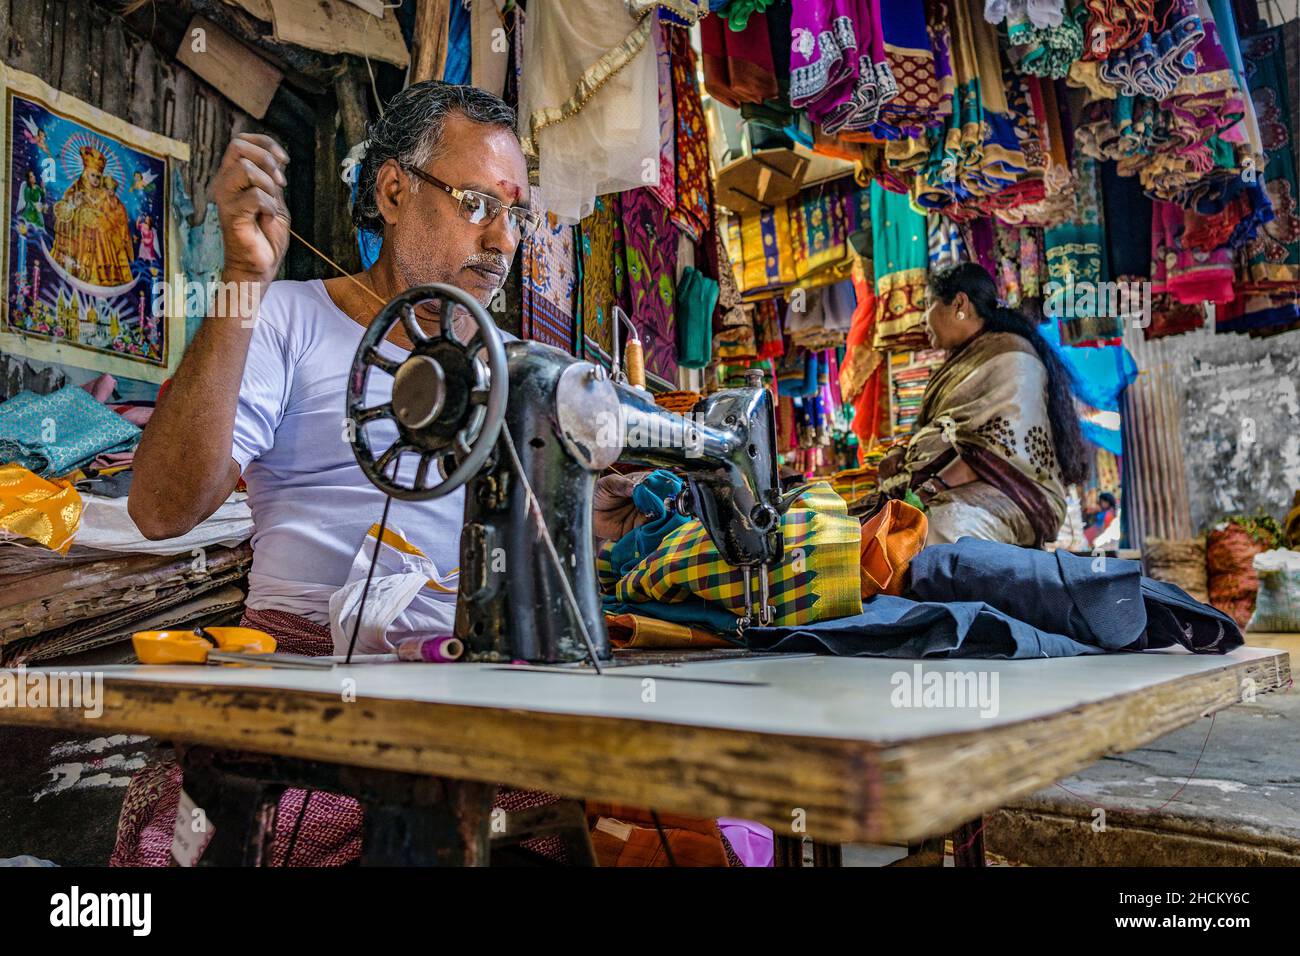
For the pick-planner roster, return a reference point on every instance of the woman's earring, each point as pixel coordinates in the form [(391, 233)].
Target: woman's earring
[(961, 316)]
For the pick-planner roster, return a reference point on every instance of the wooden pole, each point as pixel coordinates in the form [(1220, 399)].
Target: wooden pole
[(432, 24)]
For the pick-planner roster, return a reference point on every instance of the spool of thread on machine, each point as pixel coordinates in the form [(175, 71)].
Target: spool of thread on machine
[(438, 649), (634, 362)]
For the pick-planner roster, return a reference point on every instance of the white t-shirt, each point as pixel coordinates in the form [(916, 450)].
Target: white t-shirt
[(312, 506)]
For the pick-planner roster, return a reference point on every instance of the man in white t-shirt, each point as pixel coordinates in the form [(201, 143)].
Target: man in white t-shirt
[(445, 183)]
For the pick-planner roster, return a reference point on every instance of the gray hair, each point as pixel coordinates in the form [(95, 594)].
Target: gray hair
[(410, 131)]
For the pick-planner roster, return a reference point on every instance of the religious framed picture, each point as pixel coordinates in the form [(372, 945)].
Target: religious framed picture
[(91, 255)]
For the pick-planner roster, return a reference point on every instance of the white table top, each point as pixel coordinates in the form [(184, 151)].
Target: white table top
[(826, 697)]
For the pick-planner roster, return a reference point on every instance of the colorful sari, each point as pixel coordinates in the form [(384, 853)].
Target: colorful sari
[(649, 252), (900, 254), (987, 405), (599, 283)]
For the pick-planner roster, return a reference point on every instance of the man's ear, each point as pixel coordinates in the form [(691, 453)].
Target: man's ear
[(392, 189)]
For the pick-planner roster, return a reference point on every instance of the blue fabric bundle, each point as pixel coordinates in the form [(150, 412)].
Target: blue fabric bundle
[(1105, 602), (53, 434), (991, 600)]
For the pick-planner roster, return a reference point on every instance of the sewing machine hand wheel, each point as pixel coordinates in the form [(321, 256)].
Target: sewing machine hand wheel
[(447, 405)]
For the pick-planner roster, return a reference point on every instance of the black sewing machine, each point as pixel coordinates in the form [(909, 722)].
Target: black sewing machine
[(528, 431)]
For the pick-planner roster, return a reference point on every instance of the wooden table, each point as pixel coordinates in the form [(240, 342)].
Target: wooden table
[(787, 740)]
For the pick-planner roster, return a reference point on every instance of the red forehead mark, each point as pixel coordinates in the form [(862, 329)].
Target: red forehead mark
[(511, 190)]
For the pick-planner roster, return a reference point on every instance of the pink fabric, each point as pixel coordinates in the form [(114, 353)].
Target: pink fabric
[(101, 388), (137, 415), (112, 459)]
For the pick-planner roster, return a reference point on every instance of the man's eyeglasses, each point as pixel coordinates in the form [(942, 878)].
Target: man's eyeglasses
[(482, 209)]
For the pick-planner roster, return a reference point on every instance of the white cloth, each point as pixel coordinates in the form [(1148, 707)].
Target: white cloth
[(106, 526), (402, 573), (312, 506), (611, 143)]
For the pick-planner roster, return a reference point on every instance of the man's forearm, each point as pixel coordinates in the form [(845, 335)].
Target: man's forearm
[(183, 468)]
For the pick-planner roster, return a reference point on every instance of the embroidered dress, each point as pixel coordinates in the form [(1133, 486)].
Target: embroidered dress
[(549, 284), (693, 209), (599, 266), (666, 190), (1076, 257), (649, 252), (899, 256)]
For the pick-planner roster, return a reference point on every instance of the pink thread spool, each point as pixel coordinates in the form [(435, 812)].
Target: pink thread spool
[(438, 649)]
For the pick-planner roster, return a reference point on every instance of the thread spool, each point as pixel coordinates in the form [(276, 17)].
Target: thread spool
[(439, 649), (634, 363)]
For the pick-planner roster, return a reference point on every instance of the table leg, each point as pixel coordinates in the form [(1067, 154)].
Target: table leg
[(787, 851), (968, 844), (827, 854), (928, 852)]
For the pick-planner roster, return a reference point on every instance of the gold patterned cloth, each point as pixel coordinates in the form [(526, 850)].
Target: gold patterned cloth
[(987, 404), (40, 510)]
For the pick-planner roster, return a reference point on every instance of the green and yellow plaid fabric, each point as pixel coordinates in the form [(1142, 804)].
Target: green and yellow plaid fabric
[(817, 579)]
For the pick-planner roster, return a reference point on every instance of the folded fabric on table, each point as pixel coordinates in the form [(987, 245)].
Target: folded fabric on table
[(1106, 602), (671, 568), (644, 633), (898, 627), (53, 434)]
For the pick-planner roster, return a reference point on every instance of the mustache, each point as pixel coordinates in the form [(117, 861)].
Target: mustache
[(487, 260)]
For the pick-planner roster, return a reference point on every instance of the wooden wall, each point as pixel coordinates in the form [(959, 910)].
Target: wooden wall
[(80, 47), (126, 68)]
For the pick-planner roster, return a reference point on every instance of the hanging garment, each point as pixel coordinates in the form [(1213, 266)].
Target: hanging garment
[(35, 510), (549, 283), (1076, 260), (646, 240), (488, 46), (863, 379), (920, 102), (817, 579), (900, 254), (458, 68), (1188, 275), (600, 270), (693, 210), (738, 65), (1112, 606), (819, 234), (54, 434), (666, 189), (697, 295), (589, 97), (1273, 257)]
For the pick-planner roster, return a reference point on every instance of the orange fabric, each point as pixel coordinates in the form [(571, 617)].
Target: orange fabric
[(626, 836), (871, 400), (890, 540), (633, 630), (45, 511)]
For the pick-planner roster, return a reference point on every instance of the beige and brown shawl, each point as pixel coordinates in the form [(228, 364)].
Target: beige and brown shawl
[(987, 404)]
